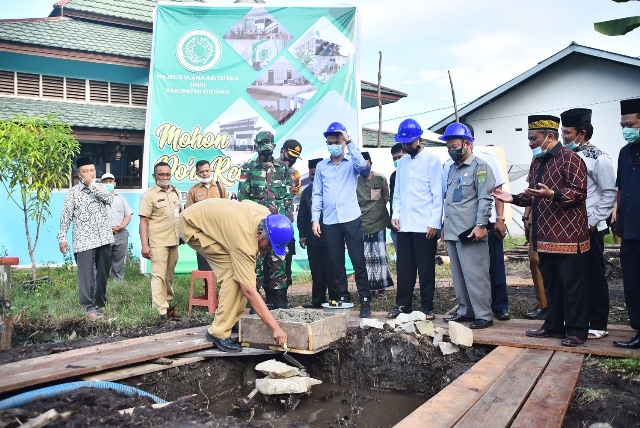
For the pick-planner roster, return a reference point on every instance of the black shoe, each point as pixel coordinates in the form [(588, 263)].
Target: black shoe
[(172, 313), (312, 305), (365, 307), (397, 311), (458, 318), (536, 314), (542, 332), (633, 343), (225, 345), (236, 327), (478, 324), (503, 315), (572, 341), (282, 302)]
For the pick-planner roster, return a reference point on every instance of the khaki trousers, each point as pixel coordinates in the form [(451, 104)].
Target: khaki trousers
[(231, 301), (536, 275), (163, 264)]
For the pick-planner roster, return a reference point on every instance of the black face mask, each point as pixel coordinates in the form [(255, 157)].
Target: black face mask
[(266, 155), (412, 152), (291, 161), (457, 154)]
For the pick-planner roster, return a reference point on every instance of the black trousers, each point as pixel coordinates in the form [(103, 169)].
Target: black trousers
[(321, 275), (94, 266), (598, 287), (566, 286), (630, 259), (291, 250), (416, 254), (497, 273), (335, 238), (203, 264)]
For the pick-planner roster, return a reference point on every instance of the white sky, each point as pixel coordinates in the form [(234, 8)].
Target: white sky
[(483, 44)]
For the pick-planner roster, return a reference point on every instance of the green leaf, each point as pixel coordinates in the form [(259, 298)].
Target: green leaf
[(617, 27)]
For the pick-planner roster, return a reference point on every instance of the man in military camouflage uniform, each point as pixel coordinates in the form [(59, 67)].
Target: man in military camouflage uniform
[(267, 181), (289, 154)]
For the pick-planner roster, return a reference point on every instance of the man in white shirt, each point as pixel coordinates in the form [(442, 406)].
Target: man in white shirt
[(120, 215), (417, 215), (601, 194)]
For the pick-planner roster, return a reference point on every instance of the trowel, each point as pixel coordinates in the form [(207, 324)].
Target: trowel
[(288, 358)]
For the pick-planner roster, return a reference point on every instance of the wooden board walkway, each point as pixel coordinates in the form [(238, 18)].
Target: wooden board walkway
[(93, 359), (509, 387), (511, 333)]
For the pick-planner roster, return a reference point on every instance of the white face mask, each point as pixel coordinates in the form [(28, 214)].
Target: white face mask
[(164, 183), (204, 180)]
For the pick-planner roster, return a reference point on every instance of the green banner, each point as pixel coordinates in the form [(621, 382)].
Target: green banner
[(221, 74)]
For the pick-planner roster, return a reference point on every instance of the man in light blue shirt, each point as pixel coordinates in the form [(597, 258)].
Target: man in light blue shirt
[(334, 196)]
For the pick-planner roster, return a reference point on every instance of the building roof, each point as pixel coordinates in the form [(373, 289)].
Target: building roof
[(370, 94), (370, 139), (73, 34), (76, 114), (572, 49)]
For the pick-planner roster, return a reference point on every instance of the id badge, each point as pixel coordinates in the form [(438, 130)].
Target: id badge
[(457, 194), (176, 212)]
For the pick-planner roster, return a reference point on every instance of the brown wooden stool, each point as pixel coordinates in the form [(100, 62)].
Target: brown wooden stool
[(210, 297)]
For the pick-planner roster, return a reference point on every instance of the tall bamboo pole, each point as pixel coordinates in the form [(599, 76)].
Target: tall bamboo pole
[(453, 94), (379, 99)]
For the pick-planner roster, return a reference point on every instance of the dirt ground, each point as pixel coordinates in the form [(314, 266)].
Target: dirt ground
[(363, 359)]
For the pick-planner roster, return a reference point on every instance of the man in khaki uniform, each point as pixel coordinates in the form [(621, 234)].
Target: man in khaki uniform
[(160, 208), (205, 189), (230, 234)]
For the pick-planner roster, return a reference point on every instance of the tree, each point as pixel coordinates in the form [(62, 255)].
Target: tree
[(618, 27), (35, 157)]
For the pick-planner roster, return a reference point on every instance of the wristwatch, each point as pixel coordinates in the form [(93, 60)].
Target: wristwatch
[(481, 226), (500, 218), (525, 217)]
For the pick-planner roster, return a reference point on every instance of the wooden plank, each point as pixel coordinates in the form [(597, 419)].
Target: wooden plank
[(78, 362), (449, 405), (140, 369), (501, 403), (549, 401)]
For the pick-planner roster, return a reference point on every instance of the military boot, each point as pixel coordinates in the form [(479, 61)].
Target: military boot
[(271, 297), (282, 302)]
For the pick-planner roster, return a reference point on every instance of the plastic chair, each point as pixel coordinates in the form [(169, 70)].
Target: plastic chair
[(210, 297)]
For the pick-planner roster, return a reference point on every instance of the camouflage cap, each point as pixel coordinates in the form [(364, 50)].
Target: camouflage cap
[(264, 141)]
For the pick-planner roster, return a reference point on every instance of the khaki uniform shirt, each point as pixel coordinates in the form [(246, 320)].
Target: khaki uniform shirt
[(200, 192), (162, 208), (230, 227)]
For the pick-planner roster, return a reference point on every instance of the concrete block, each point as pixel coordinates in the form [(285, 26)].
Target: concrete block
[(425, 328), (437, 339), (404, 318), (292, 385), (442, 331), (460, 334), (409, 327), (371, 323), (418, 316), (277, 370), (448, 348)]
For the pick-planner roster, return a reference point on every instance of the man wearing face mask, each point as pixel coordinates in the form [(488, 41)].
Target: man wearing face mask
[(601, 194), (205, 189), (85, 205), (627, 225), (417, 216), (230, 235), (559, 230), (467, 210), (267, 181), (120, 216), (334, 196), (289, 154), (160, 208), (396, 154)]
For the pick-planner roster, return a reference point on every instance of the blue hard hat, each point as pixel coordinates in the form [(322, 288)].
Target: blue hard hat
[(280, 231), (456, 130), (408, 131), (334, 128)]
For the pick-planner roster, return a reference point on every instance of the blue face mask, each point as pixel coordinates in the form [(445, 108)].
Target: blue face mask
[(335, 150), (572, 145), (537, 151), (631, 135), (395, 164), (110, 187)]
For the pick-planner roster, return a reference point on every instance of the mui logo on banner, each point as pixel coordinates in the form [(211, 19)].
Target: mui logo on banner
[(198, 50)]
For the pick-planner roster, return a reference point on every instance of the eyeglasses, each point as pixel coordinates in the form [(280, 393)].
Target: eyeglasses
[(163, 175)]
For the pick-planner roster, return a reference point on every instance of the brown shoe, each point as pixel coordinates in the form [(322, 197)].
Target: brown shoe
[(572, 341), (539, 333), (172, 312)]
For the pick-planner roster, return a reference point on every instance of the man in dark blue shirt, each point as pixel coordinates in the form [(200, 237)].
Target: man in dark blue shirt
[(627, 224)]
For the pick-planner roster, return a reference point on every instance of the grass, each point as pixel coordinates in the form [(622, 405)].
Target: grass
[(588, 395), (622, 366)]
